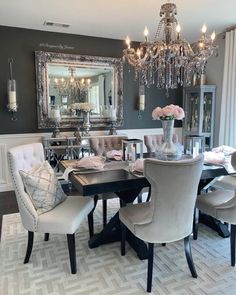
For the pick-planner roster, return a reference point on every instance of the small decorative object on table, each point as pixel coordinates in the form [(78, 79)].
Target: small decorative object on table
[(85, 108), (167, 115), (131, 148), (55, 117), (113, 121), (11, 89)]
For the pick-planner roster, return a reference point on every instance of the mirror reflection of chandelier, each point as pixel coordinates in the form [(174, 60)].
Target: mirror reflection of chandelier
[(71, 86), (169, 61)]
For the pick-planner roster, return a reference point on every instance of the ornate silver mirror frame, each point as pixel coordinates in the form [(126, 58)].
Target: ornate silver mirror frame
[(43, 61)]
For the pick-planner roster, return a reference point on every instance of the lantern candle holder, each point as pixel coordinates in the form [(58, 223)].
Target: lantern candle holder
[(132, 149)]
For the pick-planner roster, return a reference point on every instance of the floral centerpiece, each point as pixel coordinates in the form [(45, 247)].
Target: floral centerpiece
[(167, 115), (169, 112), (83, 106)]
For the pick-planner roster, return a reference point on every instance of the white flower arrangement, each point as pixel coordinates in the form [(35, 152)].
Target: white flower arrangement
[(83, 106)]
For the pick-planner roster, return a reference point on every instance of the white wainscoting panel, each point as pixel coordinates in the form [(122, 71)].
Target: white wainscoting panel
[(8, 141)]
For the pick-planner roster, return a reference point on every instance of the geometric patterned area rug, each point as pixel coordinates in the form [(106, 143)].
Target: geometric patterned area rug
[(103, 271)]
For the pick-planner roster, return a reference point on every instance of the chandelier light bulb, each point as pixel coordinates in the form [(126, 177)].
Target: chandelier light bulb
[(88, 81), (62, 79), (146, 34), (213, 35), (55, 80), (204, 29), (178, 28), (127, 41)]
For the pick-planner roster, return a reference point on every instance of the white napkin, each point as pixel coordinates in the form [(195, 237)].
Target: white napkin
[(214, 158), (91, 162), (138, 165), (115, 154)]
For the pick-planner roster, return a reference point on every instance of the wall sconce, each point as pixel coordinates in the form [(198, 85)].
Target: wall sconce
[(141, 101), (11, 91)]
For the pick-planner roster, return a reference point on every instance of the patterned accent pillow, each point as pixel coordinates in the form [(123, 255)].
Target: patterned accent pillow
[(42, 186)]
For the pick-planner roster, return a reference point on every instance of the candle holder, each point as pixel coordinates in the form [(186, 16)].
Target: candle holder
[(113, 128), (55, 117), (141, 101), (131, 148), (11, 90)]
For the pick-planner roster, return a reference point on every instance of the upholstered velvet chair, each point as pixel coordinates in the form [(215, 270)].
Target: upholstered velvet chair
[(100, 146), (65, 218), (152, 142), (168, 217), (221, 204)]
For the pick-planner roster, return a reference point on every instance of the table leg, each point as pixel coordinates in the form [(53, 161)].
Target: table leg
[(112, 231)]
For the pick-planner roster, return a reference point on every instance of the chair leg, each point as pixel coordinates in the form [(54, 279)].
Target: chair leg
[(104, 206), (29, 246), (232, 243), (72, 253), (123, 238), (195, 223), (46, 237), (150, 267), (188, 254)]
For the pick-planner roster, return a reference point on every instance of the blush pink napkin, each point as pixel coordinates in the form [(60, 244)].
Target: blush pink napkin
[(115, 154), (91, 162), (138, 165), (214, 158)]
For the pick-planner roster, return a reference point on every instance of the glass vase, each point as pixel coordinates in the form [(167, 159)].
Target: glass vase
[(86, 122), (168, 148)]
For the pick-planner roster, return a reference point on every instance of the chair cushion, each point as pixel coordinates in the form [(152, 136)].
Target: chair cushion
[(42, 186), (136, 214), (210, 203), (67, 216)]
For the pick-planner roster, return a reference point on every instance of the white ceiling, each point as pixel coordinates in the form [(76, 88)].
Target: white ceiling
[(116, 19)]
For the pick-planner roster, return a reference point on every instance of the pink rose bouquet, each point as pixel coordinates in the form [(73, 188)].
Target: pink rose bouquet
[(169, 112)]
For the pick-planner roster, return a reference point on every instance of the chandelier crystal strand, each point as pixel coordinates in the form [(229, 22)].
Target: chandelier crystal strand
[(169, 60)]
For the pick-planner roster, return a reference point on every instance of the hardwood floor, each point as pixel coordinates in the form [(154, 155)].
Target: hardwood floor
[(8, 205)]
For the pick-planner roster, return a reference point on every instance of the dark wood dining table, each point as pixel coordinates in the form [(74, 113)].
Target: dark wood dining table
[(116, 177)]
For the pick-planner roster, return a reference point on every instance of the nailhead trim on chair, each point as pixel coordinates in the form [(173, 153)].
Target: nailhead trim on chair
[(18, 194)]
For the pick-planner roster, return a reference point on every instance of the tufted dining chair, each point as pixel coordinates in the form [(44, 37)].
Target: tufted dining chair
[(65, 218), (221, 204), (100, 146), (152, 142), (168, 217)]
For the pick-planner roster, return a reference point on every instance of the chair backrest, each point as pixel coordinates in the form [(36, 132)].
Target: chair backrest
[(25, 157), (102, 144), (152, 142), (174, 186)]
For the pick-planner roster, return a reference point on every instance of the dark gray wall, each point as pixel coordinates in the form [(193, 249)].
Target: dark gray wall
[(20, 44)]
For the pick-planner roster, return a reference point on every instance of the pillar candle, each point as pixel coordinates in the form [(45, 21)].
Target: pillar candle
[(141, 102), (12, 99)]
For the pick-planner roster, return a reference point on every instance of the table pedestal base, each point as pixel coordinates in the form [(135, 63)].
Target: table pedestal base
[(112, 231)]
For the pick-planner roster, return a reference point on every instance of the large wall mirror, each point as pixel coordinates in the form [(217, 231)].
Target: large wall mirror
[(66, 79)]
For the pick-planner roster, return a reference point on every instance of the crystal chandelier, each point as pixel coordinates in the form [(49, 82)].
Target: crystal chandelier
[(71, 86), (169, 60)]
